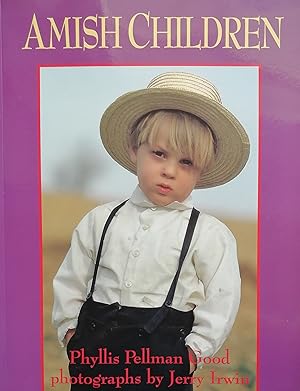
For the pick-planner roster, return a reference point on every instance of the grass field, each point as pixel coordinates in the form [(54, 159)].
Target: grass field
[(61, 213)]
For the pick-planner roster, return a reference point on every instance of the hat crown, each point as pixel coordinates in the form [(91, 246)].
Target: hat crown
[(184, 81)]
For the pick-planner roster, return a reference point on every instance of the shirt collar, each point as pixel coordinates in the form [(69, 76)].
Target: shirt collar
[(139, 198)]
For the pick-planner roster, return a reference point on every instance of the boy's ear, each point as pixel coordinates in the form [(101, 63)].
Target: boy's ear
[(133, 154)]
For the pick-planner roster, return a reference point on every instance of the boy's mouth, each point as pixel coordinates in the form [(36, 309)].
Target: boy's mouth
[(163, 188)]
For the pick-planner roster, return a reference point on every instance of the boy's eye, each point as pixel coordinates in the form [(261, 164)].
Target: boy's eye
[(186, 162), (158, 153)]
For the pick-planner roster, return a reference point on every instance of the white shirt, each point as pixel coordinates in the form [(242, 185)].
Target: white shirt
[(139, 260)]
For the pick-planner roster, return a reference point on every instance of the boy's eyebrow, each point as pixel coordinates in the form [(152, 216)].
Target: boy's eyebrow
[(166, 149), (159, 147)]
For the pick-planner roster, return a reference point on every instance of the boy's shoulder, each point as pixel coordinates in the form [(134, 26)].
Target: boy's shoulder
[(99, 213), (103, 209), (106, 207), (211, 225)]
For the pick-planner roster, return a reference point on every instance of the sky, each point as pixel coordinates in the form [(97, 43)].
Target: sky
[(73, 100)]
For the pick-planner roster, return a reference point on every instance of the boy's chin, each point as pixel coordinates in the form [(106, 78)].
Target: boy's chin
[(161, 200)]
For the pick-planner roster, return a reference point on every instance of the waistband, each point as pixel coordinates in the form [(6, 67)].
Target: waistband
[(134, 316)]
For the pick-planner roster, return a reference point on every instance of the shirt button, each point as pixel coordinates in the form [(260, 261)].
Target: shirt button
[(136, 253), (145, 227), (153, 208), (128, 284)]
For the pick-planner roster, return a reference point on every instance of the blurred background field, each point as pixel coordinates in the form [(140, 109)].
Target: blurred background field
[(62, 212)]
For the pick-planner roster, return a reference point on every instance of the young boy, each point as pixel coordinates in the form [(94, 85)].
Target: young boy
[(163, 289)]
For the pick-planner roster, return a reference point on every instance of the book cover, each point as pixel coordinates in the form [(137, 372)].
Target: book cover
[(62, 63)]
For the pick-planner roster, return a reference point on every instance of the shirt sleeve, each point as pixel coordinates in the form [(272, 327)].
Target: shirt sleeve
[(216, 264), (71, 281)]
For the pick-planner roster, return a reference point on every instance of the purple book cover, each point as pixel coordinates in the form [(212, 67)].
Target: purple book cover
[(62, 63)]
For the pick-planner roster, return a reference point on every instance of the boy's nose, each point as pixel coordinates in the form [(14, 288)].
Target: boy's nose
[(169, 170)]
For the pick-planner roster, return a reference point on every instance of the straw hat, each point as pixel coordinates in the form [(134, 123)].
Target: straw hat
[(186, 92)]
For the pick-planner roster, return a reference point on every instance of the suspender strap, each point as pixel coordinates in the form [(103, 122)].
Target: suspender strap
[(108, 221), (161, 314), (184, 250)]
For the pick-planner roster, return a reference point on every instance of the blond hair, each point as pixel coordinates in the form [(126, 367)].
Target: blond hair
[(188, 135)]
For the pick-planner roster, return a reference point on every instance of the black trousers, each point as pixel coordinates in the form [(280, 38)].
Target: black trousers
[(112, 350)]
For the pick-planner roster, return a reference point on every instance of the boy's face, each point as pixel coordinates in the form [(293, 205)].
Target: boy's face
[(164, 175)]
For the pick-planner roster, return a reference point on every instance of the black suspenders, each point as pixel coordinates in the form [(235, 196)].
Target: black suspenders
[(161, 313)]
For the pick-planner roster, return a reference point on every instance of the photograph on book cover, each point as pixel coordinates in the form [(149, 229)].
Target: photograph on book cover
[(38, 37), (78, 174)]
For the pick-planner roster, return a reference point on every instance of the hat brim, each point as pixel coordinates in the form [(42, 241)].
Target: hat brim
[(232, 140)]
